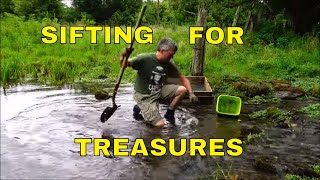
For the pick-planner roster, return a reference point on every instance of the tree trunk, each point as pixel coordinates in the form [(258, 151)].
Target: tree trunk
[(251, 26), (258, 20), (247, 23), (199, 47), (236, 16)]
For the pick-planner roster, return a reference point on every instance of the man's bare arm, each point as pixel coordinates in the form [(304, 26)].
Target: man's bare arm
[(186, 83), (126, 53), (128, 64)]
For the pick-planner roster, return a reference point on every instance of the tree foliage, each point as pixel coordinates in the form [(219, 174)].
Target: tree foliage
[(270, 17), (122, 11), (304, 15), (6, 6), (38, 8)]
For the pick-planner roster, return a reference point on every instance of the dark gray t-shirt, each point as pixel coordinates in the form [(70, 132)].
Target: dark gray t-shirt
[(152, 74)]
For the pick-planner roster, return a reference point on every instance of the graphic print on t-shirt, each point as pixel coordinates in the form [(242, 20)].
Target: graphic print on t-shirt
[(156, 79)]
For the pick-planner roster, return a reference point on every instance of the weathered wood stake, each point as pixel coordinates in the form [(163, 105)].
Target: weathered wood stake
[(199, 47)]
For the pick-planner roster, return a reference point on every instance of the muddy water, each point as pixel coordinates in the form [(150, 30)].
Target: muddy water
[(39, 124)]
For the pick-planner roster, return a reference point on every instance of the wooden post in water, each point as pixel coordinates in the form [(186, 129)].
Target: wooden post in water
[(199, 47)]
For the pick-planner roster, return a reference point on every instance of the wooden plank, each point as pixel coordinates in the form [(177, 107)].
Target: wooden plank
[(205, 99), (204, 93), (202, 99), (199, 79), (207, 85)]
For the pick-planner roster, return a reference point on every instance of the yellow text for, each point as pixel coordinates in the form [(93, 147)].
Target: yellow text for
[(232, 33)]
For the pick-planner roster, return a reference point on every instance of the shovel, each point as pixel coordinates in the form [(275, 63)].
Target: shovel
[(108, 112)]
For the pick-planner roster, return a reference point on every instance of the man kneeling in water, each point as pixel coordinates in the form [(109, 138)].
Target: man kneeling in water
[(150, 87)]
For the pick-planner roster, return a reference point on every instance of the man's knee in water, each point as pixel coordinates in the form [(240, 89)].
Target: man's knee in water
[(161, 123), (181, 91)]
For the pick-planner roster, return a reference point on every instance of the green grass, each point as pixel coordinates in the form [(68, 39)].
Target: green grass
[(296, 177), (252, 138), (315, 168), (310, 85), (258, 114), (23, 56), (274, 115), (312, 110), (218, 174), (262, 99)]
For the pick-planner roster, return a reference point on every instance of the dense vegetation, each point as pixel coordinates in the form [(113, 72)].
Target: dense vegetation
[(276, 45)]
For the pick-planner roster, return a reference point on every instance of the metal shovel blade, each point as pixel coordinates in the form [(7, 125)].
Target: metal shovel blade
[(108, 112)]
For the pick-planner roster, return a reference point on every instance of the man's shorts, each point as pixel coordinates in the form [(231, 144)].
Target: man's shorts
[(149, 103)]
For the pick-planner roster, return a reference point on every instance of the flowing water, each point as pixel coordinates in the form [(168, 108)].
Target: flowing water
[(39, 124)]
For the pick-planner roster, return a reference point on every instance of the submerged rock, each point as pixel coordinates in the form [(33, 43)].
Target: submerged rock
[(283, 125), (287, 95), (102, 95), (280, 85), (280, 81), (279, 118), (234, 177), (245, 131), (252, 89), (264, 163), (273, 112), (284, 90), (106, 134)]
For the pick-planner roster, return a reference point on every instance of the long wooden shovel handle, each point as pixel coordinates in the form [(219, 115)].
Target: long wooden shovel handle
[(143, 9)]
